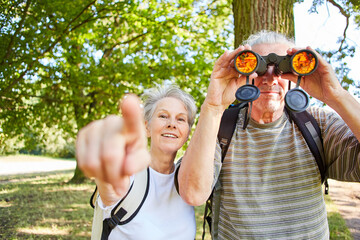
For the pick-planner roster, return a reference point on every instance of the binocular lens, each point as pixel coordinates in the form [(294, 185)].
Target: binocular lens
[(246, 62), (303, 62)]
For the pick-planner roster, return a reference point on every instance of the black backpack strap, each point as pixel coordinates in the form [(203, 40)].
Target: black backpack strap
[(227, 127), (311, 132), (93, 197)]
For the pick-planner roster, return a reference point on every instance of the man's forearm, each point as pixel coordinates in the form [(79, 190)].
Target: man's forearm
[(348, 108)]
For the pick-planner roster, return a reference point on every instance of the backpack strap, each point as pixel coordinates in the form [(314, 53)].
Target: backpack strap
[(94, 197), (311, 132), (129, 206), (211, 214), (227, 127)]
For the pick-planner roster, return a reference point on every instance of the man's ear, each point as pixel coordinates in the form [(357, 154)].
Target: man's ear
[(147, 129)]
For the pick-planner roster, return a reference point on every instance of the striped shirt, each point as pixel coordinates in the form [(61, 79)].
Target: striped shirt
[(271, 185)]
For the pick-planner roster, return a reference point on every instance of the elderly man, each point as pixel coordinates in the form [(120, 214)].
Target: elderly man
[(271, 186)]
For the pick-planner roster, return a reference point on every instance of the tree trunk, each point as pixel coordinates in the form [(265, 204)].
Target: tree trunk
[(79, 176), (251, 16)]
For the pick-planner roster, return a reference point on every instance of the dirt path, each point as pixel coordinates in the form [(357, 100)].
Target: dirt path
[(22, 164), (346, 197)]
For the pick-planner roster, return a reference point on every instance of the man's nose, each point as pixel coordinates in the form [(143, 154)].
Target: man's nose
[(271, 76)]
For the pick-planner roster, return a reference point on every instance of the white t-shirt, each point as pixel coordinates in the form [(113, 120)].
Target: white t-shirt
[(164, 214)]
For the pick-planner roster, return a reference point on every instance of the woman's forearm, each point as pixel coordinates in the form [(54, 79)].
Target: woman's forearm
[(197, 166)]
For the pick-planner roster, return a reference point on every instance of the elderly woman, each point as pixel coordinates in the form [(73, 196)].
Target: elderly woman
[(113, 149)]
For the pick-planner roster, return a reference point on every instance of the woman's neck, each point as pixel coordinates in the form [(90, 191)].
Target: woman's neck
[(162, 163)]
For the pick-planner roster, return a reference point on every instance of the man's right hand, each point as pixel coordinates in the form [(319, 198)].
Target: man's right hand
[(225, 80)]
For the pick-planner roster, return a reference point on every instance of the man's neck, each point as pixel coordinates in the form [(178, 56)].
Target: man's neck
[(263, 117)]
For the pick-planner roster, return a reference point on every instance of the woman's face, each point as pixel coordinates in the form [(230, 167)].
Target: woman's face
[(168, 128)]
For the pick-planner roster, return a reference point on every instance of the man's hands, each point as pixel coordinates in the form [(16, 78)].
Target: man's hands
[(323, 83), (225, 80), (114, 148)]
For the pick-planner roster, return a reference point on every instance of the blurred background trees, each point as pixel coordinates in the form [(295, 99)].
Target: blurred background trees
[(66, 63)]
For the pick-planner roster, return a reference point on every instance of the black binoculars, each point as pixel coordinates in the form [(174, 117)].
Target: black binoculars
[(302, 63)]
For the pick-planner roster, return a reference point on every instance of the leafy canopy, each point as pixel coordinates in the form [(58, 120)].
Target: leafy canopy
[(66, 63)]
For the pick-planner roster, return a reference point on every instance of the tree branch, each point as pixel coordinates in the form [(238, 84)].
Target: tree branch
[(108, 51), (347, 17), (23, 17), (65, 31)]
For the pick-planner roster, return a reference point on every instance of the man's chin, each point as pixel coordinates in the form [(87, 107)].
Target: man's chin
[(269, 106)]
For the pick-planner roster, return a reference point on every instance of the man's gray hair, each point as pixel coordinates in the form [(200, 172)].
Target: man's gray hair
[(153, 95), (265, 36)]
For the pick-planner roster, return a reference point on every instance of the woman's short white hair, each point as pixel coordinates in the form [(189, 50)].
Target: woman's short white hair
[(266, 37), (152, 96)]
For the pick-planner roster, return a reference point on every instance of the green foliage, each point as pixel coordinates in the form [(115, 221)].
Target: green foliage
[(348, 8), (66, 63)]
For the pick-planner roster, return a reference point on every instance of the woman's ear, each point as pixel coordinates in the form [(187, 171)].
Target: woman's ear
[(147, 129)]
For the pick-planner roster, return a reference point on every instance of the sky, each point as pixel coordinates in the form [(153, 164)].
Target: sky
[(323, 29)]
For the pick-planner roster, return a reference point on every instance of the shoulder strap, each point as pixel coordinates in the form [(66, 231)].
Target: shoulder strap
[(129, 206), (94, 197), (311, 132), (227, 127)]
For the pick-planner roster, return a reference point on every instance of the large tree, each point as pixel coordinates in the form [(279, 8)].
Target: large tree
[(251, 16), (66, 63)]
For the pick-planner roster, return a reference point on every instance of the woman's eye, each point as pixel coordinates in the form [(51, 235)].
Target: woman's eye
[(162, 116), (182, 119)]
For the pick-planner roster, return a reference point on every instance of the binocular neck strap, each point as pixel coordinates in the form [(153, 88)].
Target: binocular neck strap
[(247, 115), (298, 82)]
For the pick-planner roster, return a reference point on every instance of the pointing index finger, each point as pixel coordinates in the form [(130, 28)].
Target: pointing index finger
[(133, 116)]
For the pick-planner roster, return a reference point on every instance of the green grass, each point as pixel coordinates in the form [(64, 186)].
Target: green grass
[(45, 207), (337, 225), (41, 206)]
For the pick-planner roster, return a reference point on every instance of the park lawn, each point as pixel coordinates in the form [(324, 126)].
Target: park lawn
[(42, 206)]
